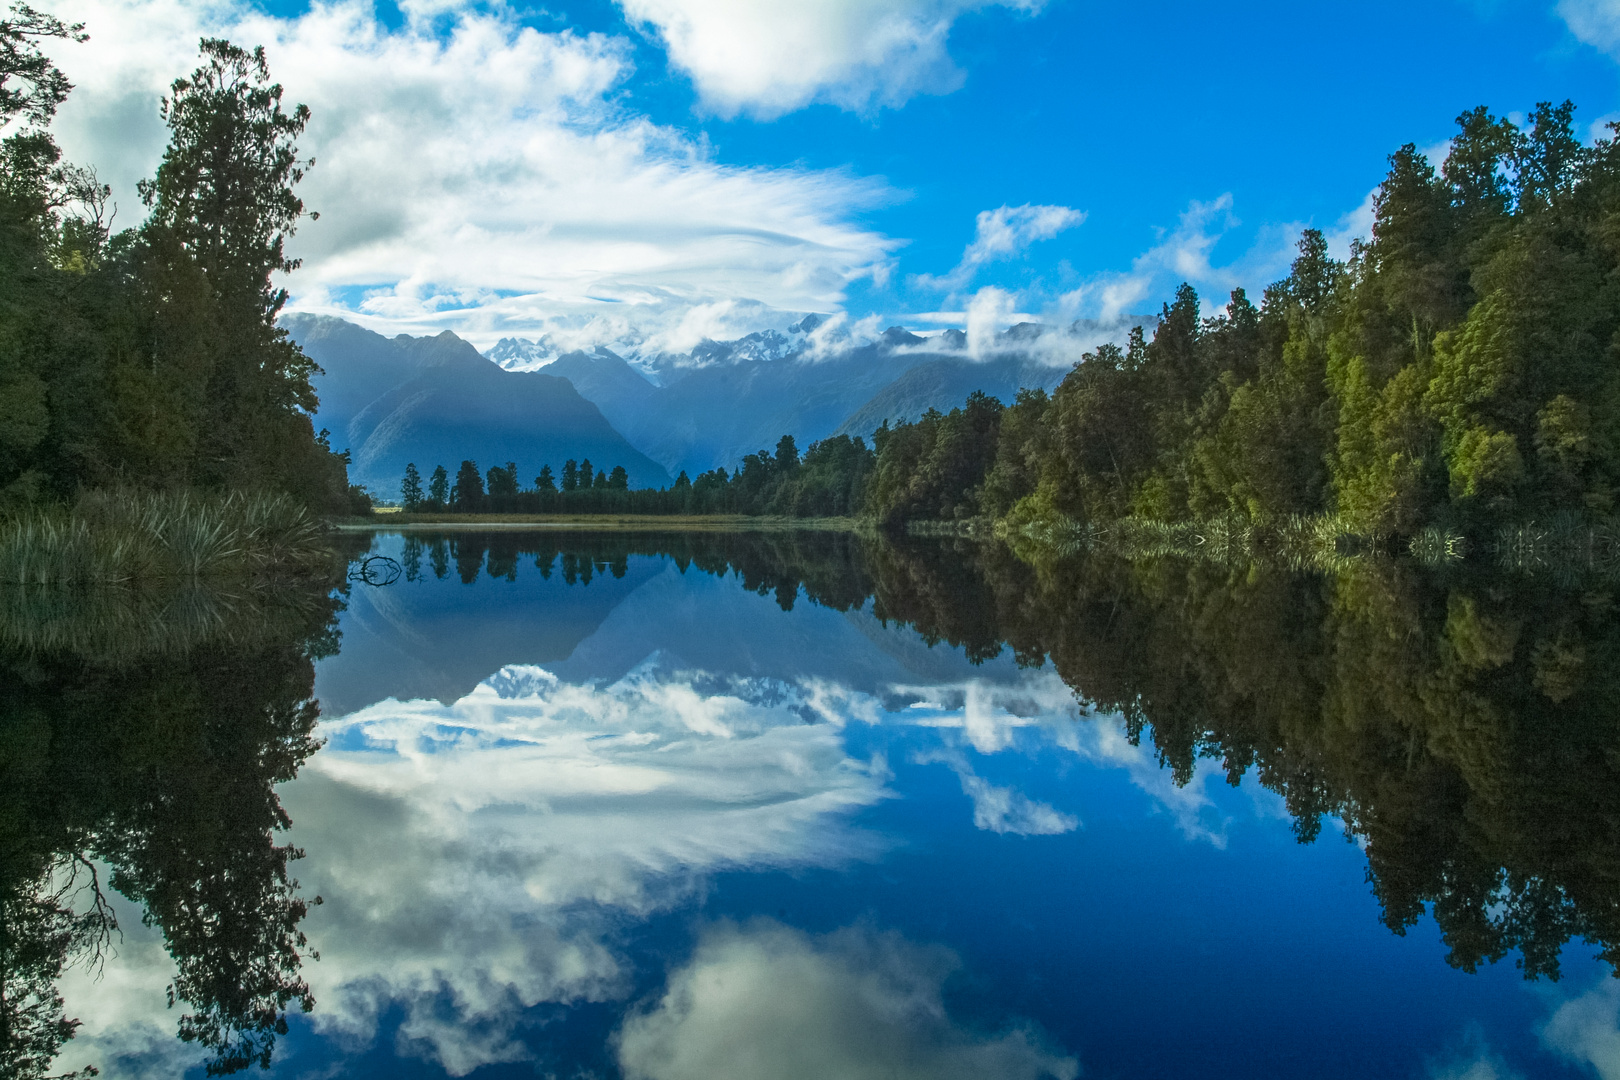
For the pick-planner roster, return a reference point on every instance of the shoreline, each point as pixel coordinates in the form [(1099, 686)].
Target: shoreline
[(400, 522)]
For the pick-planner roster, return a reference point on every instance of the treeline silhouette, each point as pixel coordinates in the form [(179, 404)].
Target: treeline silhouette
[(1458, 367), (829, 480), (150, 358), (1460, 726)]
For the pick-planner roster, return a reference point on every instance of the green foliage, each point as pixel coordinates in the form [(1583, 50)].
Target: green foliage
[(467, 494), (439, 489), (828, 480), (124, 537), (1459, 366), (410, 489), (151, 358)]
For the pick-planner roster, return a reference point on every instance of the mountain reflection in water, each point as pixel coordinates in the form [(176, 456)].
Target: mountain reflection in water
[(800, 804)]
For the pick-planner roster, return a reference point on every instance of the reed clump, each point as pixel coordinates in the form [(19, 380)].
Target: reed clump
[(130, 538)]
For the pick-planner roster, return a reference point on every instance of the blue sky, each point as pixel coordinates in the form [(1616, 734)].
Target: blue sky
[(663, 170)]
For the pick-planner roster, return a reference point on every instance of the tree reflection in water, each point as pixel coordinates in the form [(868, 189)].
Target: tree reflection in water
[(154, 751), (1466, 730)]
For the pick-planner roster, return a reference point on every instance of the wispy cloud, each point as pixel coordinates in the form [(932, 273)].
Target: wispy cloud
[(1595, 22), (1003, 233), (765, 58), (1186, 253), (1586, 1030), (479, 175), (1002, 809)]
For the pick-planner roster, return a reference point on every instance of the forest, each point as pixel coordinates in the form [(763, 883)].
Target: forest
[(1458, 368), (149, 359)]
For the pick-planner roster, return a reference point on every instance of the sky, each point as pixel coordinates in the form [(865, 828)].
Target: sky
[(662, 171)]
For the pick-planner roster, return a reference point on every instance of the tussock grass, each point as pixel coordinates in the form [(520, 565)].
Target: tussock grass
[(128, 538), (117, 624)]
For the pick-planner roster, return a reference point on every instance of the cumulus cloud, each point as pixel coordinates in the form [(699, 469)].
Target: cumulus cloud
[(478, 175), (766, 58), (478, 859), (765, 1000), (1595, 22), (1586, 1029)]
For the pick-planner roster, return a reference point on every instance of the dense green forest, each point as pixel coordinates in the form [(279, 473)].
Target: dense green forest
[(149, 358), (1459, 367)]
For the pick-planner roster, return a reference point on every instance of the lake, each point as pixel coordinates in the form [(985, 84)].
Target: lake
[(798, 804)]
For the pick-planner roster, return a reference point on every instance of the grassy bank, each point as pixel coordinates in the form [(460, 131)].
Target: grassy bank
[(131, 538)]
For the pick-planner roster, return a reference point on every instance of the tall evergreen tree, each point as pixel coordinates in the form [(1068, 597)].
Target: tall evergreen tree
[(410, 489), (439, 488)]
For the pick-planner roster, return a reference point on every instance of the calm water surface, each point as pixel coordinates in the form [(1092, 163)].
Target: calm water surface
[(809, 806)]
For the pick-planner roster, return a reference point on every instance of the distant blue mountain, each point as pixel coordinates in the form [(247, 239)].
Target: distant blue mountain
[(437, 401)]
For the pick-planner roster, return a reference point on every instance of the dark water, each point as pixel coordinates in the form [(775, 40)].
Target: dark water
[(799, 805)]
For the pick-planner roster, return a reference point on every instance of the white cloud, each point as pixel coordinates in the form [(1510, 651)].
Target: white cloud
[(765, 58), (1586, 1029), (1000, 809), (991, 716), (1595, 22), (478, 175), (988, 313), (480, 858), (765, 1000), (1185, 253), (1001, 234), (1477, 1062)]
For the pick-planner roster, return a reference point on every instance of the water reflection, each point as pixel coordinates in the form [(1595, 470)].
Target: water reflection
[(144, 734), (796, 804)]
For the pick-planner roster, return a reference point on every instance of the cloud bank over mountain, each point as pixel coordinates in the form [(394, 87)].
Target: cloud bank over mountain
[(500, 173), (480, 175)]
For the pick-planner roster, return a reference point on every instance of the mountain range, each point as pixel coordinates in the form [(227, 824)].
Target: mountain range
[(437, 400)]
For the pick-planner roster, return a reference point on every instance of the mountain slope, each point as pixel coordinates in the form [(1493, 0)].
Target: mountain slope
[(716, 415), (945, 383), (437, 401), (605, 379)]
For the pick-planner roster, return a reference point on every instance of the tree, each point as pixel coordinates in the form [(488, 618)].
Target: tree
[(439, 488), (570, 475), (221, 209), (586, 475), (410, 490), (468, 493), (619, 480), (46, 87), (544, 481), (503, 481)]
